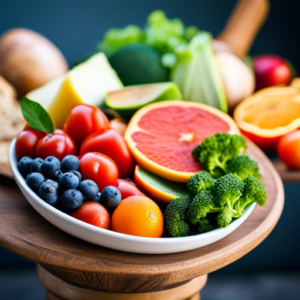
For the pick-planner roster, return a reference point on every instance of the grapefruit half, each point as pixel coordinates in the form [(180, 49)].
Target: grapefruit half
[(161, 136)]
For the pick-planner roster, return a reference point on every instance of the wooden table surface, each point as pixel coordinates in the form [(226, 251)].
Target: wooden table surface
[(286, 175), (24, 231)]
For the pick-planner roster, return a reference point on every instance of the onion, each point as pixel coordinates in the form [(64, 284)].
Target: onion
[(237, 78), (29, 60)]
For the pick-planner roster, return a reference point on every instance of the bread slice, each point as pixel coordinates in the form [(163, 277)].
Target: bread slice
[(11, 119), (4, 161), (11, 123)]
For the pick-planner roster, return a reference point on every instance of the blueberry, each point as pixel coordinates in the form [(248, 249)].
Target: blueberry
[(110, 197), (58, 175), (96, 198), (34, 180), (36, 165), (69, 163), (68, 181), (63, 209), (48, 191), (71, 199), (77, 174), (88, 188), (24, 165), (50, 166)]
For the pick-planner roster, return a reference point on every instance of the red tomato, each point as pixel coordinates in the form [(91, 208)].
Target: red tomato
[(59, 131), (128, 189), (27, 141), (27, 127), (55, 144), (112, 144), (83, 120), (99, 168), (288, 149), (271, 70), (94, 214)]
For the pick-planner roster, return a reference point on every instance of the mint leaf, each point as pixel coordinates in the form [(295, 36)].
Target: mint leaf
[(36, 116)]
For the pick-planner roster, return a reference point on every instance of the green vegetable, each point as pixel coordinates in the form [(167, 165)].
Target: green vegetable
[(214, 206), (198, 182), (219, 198), (204, 225), (116, 38), (216, 150), (242, 166), (226, 191), (138, 64), (254, 191), (197, 73), (161, 33), (201, 205), (175, 216), (36, 116)]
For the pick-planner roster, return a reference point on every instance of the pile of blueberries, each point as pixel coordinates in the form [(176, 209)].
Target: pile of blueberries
[(60, 183)]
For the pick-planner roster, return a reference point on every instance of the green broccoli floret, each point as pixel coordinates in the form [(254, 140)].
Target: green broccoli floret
[(200, 181), (243, 166), (201, 205), (254, 191), (175, 214), (204, 225), (224, 218), (226, 191), (217, 149)]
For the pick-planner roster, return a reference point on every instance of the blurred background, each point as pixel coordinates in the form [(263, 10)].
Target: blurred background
[(272, 270)]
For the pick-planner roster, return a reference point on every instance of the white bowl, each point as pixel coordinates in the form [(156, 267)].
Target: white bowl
[(115, 240)]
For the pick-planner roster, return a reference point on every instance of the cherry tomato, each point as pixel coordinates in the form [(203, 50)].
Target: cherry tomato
[(288, 149), (59, 131), (83, 120), (55, 144), (112, 144), (99, 168), (27, 127), (128, 189), (94, 214), (27, 141)]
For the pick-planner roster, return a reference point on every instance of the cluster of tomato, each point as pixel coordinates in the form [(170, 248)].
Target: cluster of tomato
[(103, 153)]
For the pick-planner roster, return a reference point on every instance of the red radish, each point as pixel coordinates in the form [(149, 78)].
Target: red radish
[(271, 70)]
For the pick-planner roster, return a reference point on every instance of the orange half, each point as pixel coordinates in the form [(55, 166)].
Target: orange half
[(162, 135), (269, 114)]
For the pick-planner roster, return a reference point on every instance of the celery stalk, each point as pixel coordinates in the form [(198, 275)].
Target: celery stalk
[(197, 73)]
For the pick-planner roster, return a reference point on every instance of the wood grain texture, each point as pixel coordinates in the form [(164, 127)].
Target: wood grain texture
[(63, 290), (25, 232), (243, 24), (287, 175)]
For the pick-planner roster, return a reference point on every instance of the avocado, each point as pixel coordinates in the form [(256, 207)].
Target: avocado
[(138, 64)]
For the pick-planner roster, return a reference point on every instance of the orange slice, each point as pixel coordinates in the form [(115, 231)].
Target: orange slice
[(161, 136), (269, 114)]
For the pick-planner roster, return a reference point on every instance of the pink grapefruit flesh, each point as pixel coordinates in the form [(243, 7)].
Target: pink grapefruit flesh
[(161, 136)]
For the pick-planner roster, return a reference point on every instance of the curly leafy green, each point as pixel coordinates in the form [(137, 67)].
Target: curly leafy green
[(161, 33)]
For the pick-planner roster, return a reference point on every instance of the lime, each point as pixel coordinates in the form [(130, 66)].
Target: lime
[(128, 100)]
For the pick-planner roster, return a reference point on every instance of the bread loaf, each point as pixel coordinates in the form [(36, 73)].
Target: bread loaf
[(11, 119)]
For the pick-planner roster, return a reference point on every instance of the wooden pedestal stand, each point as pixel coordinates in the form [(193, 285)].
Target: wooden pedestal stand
[(70, 268)]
